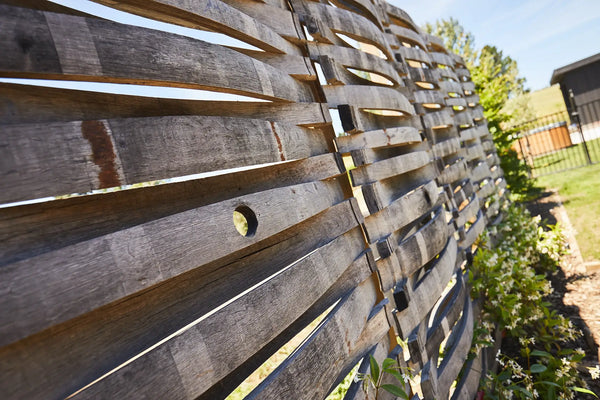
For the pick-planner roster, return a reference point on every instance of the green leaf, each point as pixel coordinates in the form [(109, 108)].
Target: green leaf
[(396, 375), (582, 390), (547, 383), (537, 368), (541, 353), (374, 369), (395, 390), (522, 390), (387, 363)]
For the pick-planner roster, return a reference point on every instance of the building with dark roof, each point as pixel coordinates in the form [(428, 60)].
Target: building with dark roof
[(582, 78)]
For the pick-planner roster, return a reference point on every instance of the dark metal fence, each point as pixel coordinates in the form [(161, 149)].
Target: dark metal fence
[(558, 142)]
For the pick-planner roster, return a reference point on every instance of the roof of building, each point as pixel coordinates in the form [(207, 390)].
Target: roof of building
[(558, 74)]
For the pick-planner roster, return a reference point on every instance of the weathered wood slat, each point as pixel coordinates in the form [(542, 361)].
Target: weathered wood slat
[(456, 102), (21, 104), (473, 133), (474, 152), (350, 57), (441, 58), (312, 372), (117, 265), (447, 147), (453, 173), (90, 155), (408, 35), (30, 230), (468, 87), (474, 231), (429, 97), (468, 212), (40, 366), (201, 355), (456, 356), (390, 167), (213, 15), (451, 307), (348, 23), (380, 194), (438, 119), (419, 248), (428, 290), (468, 386), (368, 97), (414, 54), (401, 212), (480, 172), (424, 75), (128, 54), (275, 14), (397, 136), (401, 16)]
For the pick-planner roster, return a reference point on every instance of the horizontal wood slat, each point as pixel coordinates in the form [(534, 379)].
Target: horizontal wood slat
[(55, 53), (99, 154)]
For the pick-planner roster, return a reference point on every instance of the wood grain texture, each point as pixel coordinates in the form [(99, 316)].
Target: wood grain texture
[(389, 137), (90, 155), (21, 104), (200, 355), (30, 230), (350, 57), (401, 212), (129, 54), (346, 22), (55, 364), (116, 265), (428, 290), (419, 248), (408, 35), (380, 194), (368, 97), (312, 371), (390, 167), (452, 173), (214, 15)]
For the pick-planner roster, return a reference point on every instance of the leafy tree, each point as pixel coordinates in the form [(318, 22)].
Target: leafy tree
[(496, 78)]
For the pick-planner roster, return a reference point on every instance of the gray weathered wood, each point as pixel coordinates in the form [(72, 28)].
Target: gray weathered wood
[(390, 167), (401, 212), (110, 267), (21, 104), (89, 155), (56, 53), (212, 15), (368, 97), (63, 359), (201, 354), (396, 136), (427, 292), (419, 248), (311, 372)]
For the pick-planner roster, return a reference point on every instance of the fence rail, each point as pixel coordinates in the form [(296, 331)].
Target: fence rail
[(159, 246), (558, 142)]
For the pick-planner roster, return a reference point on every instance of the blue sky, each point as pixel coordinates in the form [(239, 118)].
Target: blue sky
[(542, 35)]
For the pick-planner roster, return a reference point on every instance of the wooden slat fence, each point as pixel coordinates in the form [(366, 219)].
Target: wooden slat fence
[(150, 291)]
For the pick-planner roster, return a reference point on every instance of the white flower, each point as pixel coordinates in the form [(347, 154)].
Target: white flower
[(594, 372)]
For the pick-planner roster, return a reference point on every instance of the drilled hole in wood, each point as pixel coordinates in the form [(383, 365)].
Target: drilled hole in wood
[(244, 220)]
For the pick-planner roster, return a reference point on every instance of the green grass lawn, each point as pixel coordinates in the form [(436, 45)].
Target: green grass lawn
[(571, 157), (580, 193)]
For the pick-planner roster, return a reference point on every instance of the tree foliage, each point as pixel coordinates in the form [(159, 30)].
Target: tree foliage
[(496, 78)]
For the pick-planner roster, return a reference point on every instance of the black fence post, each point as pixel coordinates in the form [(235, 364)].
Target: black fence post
[(575, 115)]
